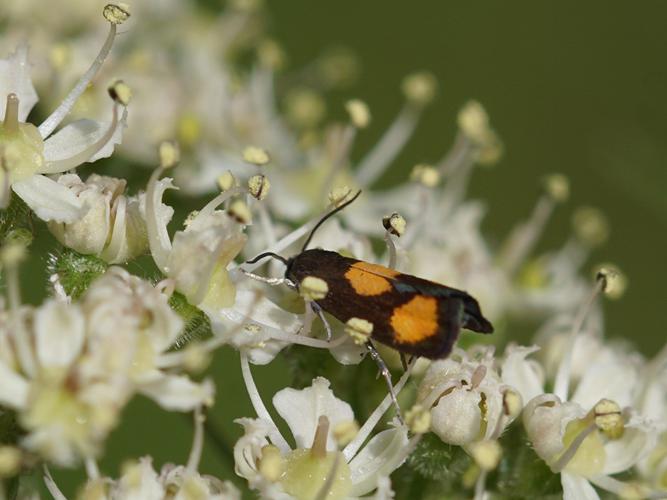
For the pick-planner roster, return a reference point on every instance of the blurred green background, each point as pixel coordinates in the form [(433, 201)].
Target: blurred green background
[(574, 87)]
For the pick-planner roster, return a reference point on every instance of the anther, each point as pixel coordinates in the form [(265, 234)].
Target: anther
[(609, 418), (418, 419), (169, 154), (474, 122), (557, 187), (395, 224), (271, 464), (486, 454), (419, 88), (340, 195), (359, 329), (313, 288), (258, 186), (120, 92), (360, 115), (591, 226), (240, 212), (345, 432), (427, 175), (226, 181), (613, 280), (256, 156), (116, 13)]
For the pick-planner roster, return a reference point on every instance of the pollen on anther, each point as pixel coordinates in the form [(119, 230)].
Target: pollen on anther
[(116, 13), (256, 156), (258, 186), (313, 288), (240, 212), (395, 224), (359, 329)]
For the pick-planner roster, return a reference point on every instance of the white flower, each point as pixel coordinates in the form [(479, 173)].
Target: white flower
[(113, 226), (28, 152), (467, 398), (69, 369), (271, 467)]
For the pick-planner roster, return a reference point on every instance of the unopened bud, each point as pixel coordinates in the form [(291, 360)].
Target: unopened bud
[(116, 13), (256, 156), (169, 154), (359, 329), (557, 187), (360, 115), (240, 212), (313, 288), (426, 175), (395, 224), (258, 186), (613, 280), (420, 88), (120, 92)]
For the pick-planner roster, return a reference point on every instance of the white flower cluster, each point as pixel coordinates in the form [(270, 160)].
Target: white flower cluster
[(591, 410)]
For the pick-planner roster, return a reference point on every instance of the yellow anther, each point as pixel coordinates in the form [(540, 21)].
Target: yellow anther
[(486, 454), (120, 92), (344, 432), (360, 115), (609, 418), (226, 181), (116, 13), (395, 224), (256, 156), (614, 282), (169, 154), (271, 463), (426, 175), (359, 329), (557, 187), (590, 226), (240, 212), (420, 88), (340, 195), (10, 461), (258, 186), (418, 419), (313, 288)]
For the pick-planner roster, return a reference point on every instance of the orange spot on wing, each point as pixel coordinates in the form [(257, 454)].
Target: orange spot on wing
[(365, 283), (416, 320)]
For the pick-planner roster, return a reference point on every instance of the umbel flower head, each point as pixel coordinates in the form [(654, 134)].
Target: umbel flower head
[(29, 153)]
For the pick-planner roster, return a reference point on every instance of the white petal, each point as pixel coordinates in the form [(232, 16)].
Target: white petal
[(178, 393), (59, 333), (139, 482), (13, 389), (524, 375), (380, 457), (577, 488), (49, 200), (78, 136), (621, 454), (302, 409), (15, 77)]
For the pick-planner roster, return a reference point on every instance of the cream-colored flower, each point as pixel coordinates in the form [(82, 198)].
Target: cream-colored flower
[(113, 226), (28, 152), (276, 471)]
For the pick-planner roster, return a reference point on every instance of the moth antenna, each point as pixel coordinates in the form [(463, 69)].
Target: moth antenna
[(265, 255), (327, 216)]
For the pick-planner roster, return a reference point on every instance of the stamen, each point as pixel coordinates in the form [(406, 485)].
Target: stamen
[(562, 382), (319, 446), (571, 451), (394, 225), (258, 404), (390, 144), (210, 207), (11, 124), (158, 237), (92, 471), (49, 125), (524, 237), (197, 441), (353, 447), (52, 486)]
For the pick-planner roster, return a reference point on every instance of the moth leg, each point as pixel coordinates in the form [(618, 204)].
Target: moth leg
[(318, 310), (384, 371), (268, 281), (404, 362)]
